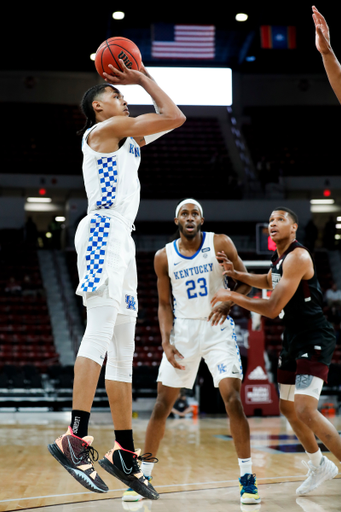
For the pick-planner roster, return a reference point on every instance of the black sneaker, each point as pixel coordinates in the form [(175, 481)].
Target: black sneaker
[(77, 455), (128, 471)]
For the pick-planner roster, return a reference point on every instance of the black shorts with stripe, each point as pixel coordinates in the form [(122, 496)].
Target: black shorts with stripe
[(306, 352)]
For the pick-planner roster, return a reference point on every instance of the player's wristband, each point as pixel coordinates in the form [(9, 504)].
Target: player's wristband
[(150, 138)]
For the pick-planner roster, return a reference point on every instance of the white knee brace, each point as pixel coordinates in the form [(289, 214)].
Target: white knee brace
[(308, 385), (121, 350), (305, 385), (98, 333)]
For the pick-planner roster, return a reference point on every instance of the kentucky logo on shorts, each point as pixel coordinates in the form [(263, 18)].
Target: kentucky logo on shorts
[(107, 169), (222, 368), (99, 231), (131, 302)]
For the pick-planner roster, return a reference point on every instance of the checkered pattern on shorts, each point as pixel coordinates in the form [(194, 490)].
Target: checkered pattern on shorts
[(107, 169), (99, 232)]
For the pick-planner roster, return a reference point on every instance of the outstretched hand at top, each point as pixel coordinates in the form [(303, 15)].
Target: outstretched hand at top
[(322, 35)]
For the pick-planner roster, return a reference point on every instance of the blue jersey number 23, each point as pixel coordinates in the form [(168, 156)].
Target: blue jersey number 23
[(191, 293)]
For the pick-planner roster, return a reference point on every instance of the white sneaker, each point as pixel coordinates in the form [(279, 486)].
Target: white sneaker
[(130, 495), (140, 506), (317, 475)]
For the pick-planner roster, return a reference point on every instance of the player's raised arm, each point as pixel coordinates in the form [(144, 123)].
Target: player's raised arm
[(224, 245), (261, 281), (330, 61), (165, 309), (294, 269), (168, 118)]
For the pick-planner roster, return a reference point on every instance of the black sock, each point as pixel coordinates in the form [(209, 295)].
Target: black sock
[(125, 439), (79, 422)]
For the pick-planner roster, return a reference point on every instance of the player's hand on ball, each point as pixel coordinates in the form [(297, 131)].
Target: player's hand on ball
[(125, 76)]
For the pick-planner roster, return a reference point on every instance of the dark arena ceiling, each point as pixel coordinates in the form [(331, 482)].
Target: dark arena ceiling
[(60, 36)]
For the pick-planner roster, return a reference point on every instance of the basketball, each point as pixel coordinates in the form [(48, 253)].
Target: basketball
[(113, 49)]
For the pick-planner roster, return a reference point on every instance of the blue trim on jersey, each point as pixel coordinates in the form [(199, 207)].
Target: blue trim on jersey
[(194, 255)]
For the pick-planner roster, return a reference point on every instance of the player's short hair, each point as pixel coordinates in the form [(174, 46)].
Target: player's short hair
[(291, 213), (86, 105)]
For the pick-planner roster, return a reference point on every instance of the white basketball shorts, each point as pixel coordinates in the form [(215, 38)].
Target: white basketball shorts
[(106, 263), (196, 339)]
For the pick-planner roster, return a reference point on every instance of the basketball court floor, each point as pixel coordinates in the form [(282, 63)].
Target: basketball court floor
[(197, 469)]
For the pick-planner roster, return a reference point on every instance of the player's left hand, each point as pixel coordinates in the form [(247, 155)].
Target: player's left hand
[(219, 314), (222, 295)]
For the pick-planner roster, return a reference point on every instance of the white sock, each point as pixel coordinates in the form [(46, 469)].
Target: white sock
[(316, 457), (245, 466), (147, 468)]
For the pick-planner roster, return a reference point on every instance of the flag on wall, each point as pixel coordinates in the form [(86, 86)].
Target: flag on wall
[(183, 41), (278, 37)]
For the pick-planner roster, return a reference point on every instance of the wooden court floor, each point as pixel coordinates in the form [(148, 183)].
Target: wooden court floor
[(198, 468)]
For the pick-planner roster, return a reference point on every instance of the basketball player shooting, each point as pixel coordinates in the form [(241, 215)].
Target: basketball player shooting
[(308, 344), (107, 273), (188, 271)]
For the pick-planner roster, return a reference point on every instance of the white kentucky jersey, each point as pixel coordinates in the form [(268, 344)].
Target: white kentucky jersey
[(111, 180), (194, 279)]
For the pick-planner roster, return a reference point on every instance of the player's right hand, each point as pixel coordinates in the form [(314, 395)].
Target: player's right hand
[(171, 352), (125, 76), (227, 265)]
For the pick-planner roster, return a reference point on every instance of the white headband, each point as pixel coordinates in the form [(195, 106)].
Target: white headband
[(186, 201)]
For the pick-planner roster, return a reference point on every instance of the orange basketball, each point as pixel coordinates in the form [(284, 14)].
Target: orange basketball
[(113, 49)]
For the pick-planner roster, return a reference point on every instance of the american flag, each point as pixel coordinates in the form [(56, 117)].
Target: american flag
[(183, 41)]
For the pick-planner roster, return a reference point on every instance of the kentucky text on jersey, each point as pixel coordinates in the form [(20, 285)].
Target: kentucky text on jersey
[(134, 150), (200, 269)]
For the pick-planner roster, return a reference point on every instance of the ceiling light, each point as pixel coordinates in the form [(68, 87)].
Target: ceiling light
[(241, 16), (93, 56), (60, 218), (324, 208), (338, 226), (118, 15), (322, 201), (39, 200)]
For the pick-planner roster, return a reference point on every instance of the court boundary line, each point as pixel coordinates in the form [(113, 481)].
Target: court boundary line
[(159, 487)]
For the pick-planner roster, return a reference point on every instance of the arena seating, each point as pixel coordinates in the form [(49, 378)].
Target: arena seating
[(187, 156), (29, 153), (275, 133), (26, 342)]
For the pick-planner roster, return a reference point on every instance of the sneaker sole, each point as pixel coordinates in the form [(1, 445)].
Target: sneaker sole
[(132, 499), (250, 501), (78, 474), (132, 482), (329, 476)]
